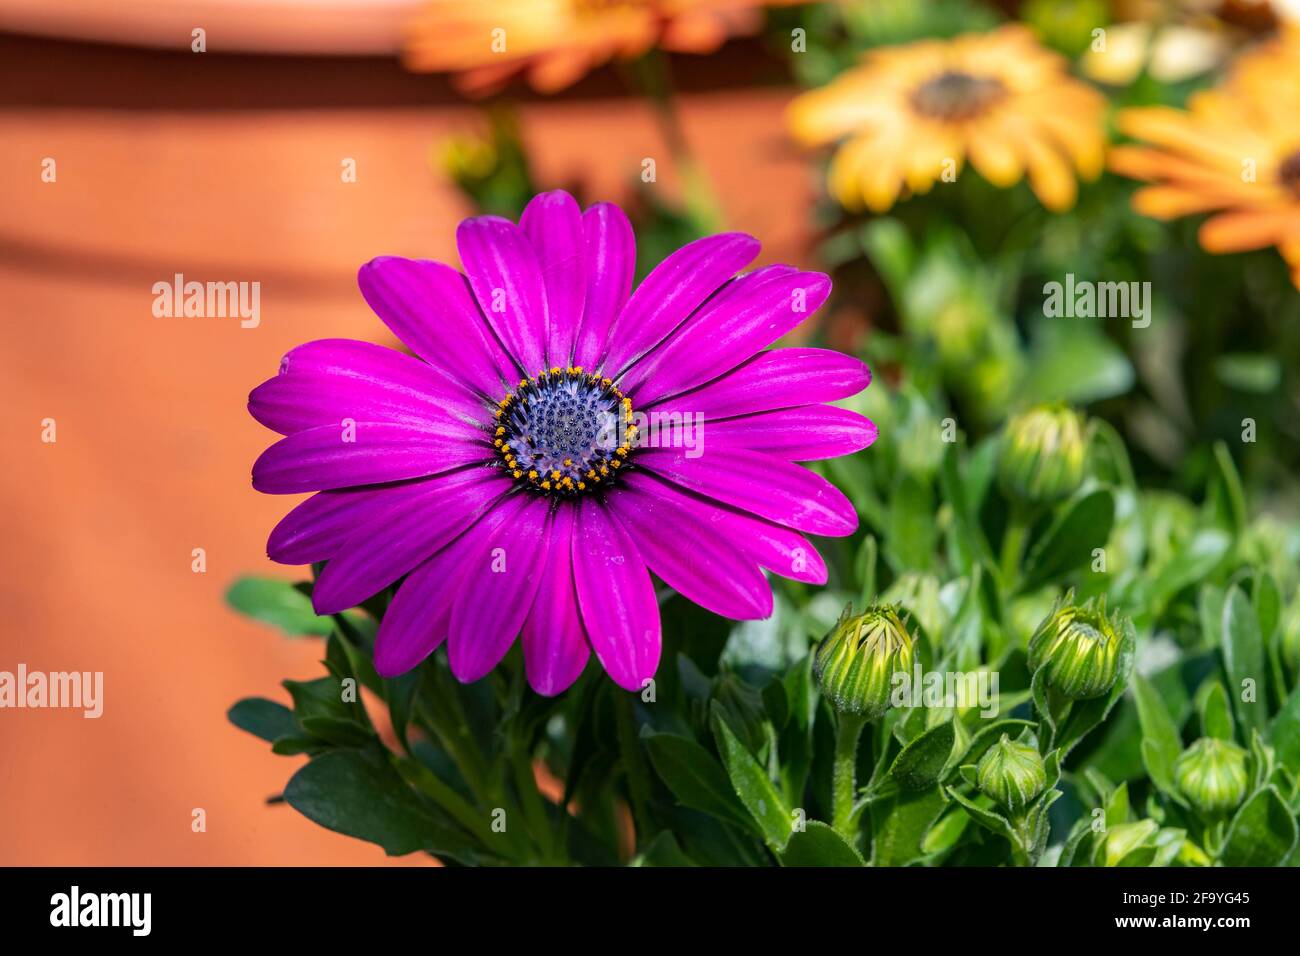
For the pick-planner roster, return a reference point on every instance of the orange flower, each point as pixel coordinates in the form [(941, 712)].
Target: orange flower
[(1235, 152), (909, 114), (557, 41)]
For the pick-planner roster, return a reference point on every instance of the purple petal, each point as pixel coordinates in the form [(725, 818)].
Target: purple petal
[(553, 224), (672, 291), (774, 547), (430, 307), (782, 378), (616, 597), (758, 310), (795, 434), (507, 282), (611, 267), (317, 528), (497, 591), (711, 570), (297, 399), (767, 486), (322, 458), (418, 618), (555, 646), (411, 529)]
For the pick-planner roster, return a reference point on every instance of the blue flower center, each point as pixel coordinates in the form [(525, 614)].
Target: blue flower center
[(564, 432)]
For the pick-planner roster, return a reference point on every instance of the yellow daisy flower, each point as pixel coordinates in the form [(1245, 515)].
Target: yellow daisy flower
[(1235, 152), (911, 114), (556, 42)]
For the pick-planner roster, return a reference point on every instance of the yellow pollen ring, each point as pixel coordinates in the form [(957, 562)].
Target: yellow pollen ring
[(594, 465)]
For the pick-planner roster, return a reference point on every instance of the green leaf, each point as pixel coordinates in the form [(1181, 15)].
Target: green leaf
[(1161, 741), (1069, 543), (663, 851), (944, 834), (1257, 372), (986, 817), (1189, 564), (279, 604), (971, 545), (1262, 833), (1117, 806), (900, 824), (819, 845), (910, 537), (1284, 733), (263, 718), (892, 252), (1209, 608), (1226, 501), (1243, 659), (1267, 598), (755, 790), (1074, 362), (1216, 713), (920, 764), (400, 692), (358, 793), (695, 778)]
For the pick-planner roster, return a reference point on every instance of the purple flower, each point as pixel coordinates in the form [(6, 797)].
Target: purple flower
[(558, 438)]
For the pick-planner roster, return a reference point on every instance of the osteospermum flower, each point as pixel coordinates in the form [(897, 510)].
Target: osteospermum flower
[(911, 113), (557, 41), (543, 453), (1234, 152)]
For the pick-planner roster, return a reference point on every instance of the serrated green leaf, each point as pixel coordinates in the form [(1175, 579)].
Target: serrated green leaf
[(819, 845), (755, 790), (695, 778), (920, 764), (1262, 832)]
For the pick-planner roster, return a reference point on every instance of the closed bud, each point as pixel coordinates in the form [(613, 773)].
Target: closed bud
[(1043, 454), (857, 661), (1078, 647), (1012, 774), (1211, 773)]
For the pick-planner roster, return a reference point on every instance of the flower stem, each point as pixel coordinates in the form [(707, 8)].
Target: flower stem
[(844, 773), (654, 79)]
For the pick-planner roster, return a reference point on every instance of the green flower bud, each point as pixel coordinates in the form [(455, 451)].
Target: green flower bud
[(857, 661), (1079, 647), (1211, 773), (1042, 455), (1011, 773)]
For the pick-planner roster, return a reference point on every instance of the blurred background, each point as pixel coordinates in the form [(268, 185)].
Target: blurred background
[(288, 141)]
